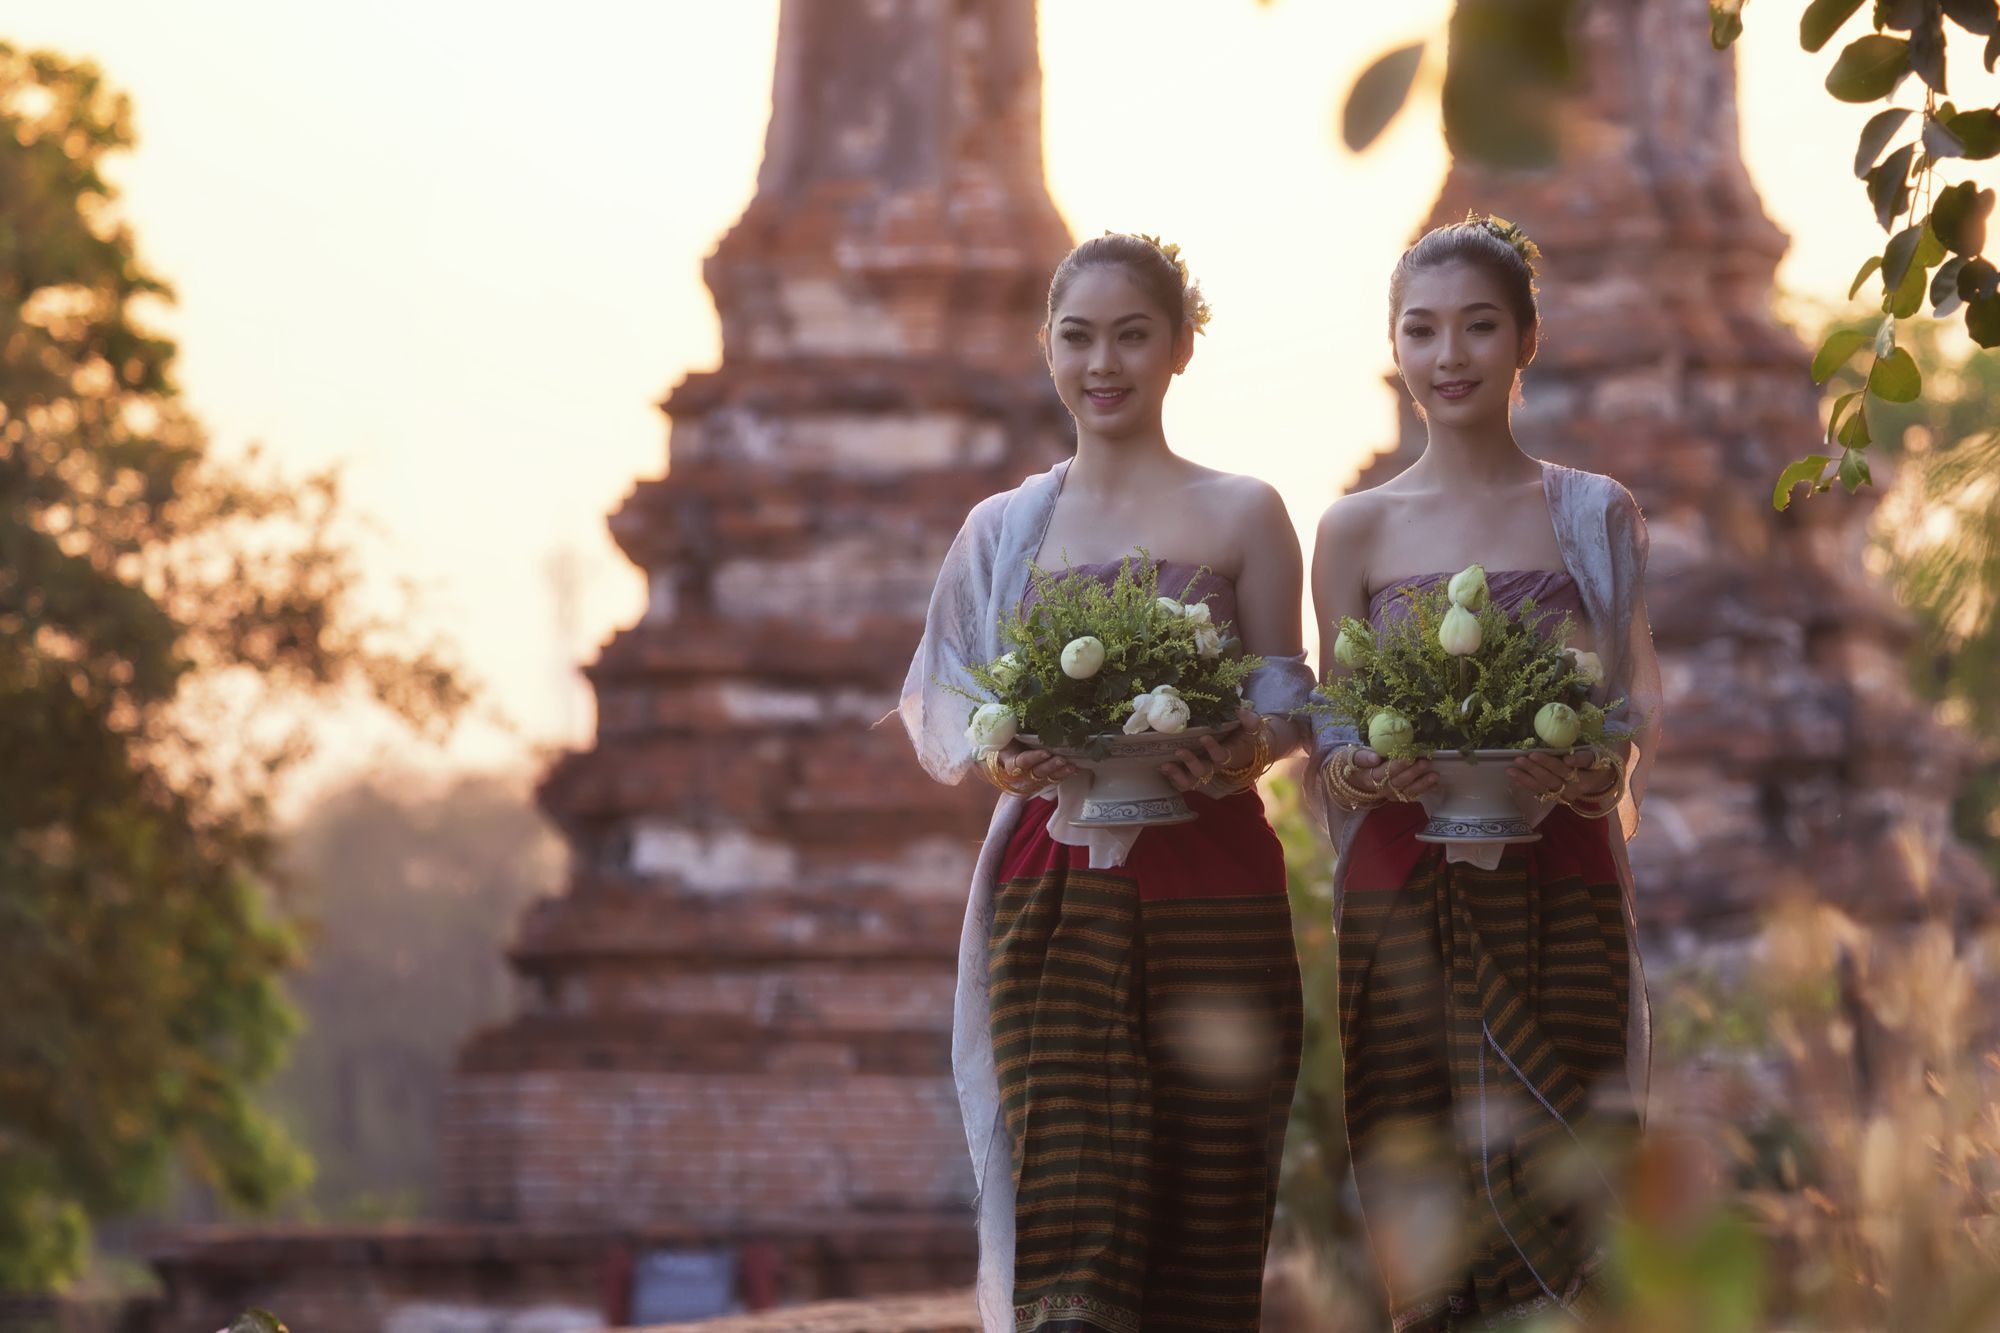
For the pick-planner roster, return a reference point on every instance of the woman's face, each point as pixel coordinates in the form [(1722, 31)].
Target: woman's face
[(1459, 346), (1112, 353)]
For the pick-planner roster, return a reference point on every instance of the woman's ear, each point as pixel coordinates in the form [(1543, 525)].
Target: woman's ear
[(1531, 341), (1184, 346), (1042, 341)]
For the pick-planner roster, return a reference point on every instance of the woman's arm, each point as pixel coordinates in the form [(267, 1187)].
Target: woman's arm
[(1270, 585), (1341, 550)]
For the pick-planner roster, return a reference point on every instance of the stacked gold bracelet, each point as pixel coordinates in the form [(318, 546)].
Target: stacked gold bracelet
[(1604, 803), (997, 773), (1341, 788), (1253, 767)]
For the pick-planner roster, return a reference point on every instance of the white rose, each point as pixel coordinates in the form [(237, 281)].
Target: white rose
[(1459, 632), (991, 728), (1197, 613), (1168, 712), (1207, 641), (1006, 670), (1139, 721), (1588, 665), (1170, 606), (1083, 658)]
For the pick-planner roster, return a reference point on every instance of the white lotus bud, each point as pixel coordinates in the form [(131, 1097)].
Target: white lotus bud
[(1468, 588), (1460, 633), (992, 727), (1083, 658), (1557, 725), (1390, 733), (1588, 665), (1006, 670), (1168, 712), (1139, 721)]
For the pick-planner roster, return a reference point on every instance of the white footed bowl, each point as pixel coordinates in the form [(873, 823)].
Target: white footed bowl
[(1127, 789), (1473, 801)]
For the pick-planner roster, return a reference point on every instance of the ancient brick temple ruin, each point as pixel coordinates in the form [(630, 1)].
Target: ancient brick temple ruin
[(738, 1014), (1795, 752)]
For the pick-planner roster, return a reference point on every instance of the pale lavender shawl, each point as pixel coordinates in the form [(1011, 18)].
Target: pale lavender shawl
[(984, 575), (1602, 536)]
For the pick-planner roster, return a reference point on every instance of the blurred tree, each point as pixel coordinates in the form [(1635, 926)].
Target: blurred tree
[(161, 616), (407, 902)]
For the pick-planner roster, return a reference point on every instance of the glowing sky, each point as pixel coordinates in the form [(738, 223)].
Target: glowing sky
[(455, 247)]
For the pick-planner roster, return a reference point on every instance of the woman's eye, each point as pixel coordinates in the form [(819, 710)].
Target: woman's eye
[(1132, 336), (1076, 339), (1417, 331), (1483, 326)]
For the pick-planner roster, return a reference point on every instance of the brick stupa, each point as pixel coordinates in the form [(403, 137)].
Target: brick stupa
[(738, 1014), (1795, 753)]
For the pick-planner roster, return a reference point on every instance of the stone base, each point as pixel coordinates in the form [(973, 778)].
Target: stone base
[(450, 1278)]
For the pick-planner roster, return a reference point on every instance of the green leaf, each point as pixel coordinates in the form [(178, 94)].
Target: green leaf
[(1853, 433), (1725, 25), (1854, 470), (1927, 46), (1896, 257), (1896, 379), (1981, 17), (1889, 185), (1840, 406), (1875, 136), (1822, 19), (1939, 142), (1908, 298), (1978, 279), (1807, 470), (1839, 347), (1874, 262), (1982, 320), (1378, 94), (1979, 130), (1869, 68), (1992, 52), (1944, 287), (1958, 217)]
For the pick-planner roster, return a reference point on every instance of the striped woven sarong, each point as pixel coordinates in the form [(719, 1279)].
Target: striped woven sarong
[(1146, 1026), (1482, 1024)]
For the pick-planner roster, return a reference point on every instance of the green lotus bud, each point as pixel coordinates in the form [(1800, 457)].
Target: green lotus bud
[(1557, 725), (1390, 733), (1352, 646), (1460, 633), (1468, 588)]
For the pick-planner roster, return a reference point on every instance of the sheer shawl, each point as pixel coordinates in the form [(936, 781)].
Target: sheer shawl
[(1602, 536)]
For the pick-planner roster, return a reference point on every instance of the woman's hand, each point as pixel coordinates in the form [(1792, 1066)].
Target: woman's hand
[(1395, 779), (1561, 777), (1189, 769), (1040, 765)]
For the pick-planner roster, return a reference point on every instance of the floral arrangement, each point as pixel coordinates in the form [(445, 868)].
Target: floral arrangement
[(1087, 659), (1458, 673)]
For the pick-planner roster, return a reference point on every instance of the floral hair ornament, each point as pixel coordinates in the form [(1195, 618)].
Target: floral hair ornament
[(1516, 238), (1196, 309)]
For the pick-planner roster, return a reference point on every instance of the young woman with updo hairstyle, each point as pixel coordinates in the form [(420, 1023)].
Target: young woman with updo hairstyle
[(1127, 1028), (1492, 1011)]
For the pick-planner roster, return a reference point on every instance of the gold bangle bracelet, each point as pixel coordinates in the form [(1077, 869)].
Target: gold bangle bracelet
[(1340, 786), (1006, 779), (1254, 767)]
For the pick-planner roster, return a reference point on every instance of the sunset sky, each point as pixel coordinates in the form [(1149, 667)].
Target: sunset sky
[(456, 249)]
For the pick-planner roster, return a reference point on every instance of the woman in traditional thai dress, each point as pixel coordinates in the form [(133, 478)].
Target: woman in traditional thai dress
[(1127, 1028), (1493, 1019)]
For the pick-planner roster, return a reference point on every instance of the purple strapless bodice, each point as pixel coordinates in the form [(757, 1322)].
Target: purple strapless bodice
[(1554, 593), (1218, 592)]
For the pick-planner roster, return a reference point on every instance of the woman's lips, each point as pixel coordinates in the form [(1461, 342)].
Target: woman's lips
[(1107, 398), (1454, 390)]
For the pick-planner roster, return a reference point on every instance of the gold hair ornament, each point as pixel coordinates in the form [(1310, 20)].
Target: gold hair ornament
[(1196, 309), (1513, 234)]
